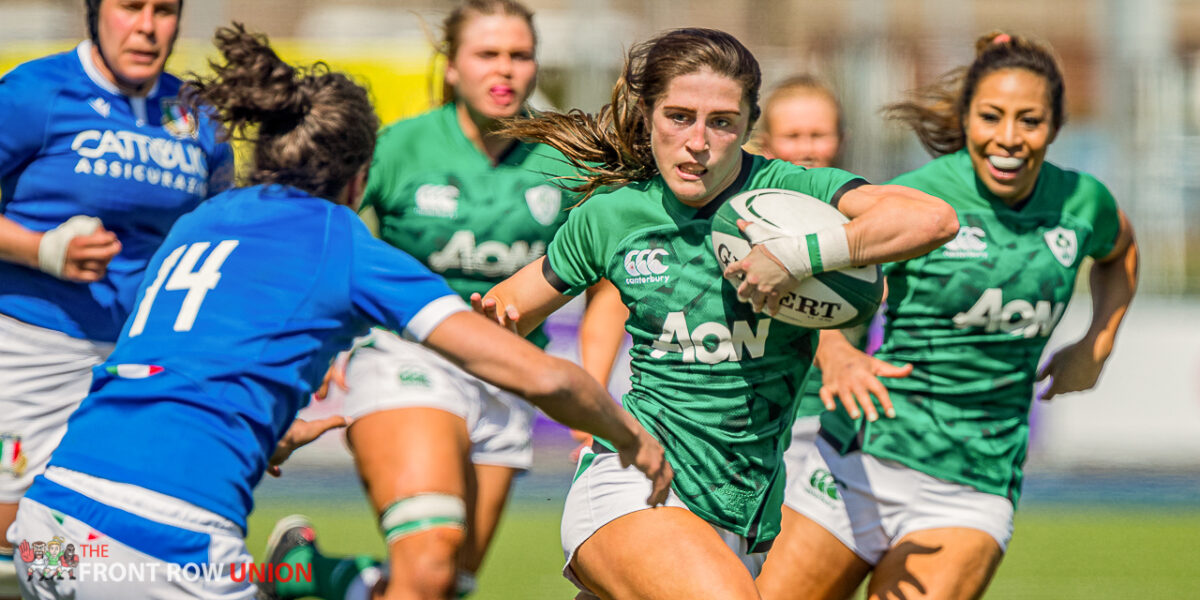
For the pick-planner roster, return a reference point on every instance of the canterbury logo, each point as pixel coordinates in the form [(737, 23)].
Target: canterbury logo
[(645, 262), (969, 243), (824, 482)]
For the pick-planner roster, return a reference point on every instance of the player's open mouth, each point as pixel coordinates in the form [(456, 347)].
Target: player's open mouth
[(690, 171), (501, 94), (1005, 167), (143, 56)]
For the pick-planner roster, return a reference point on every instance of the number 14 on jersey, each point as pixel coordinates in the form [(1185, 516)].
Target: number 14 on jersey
[(184, 276)]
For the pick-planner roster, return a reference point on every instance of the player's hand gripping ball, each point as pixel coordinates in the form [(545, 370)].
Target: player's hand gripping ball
[(828, 300)]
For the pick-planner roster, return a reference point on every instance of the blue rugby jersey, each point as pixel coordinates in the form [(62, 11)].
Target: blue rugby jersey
[(243, 307), (70, 144)]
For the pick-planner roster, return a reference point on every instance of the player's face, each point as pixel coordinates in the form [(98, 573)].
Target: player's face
[(1008, 130), (494, 68), (697, 129), (802, 130), (136, 37)]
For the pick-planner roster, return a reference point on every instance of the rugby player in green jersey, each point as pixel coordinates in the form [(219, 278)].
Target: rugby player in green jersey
[(925, 499), (714, 379), (474, 207)]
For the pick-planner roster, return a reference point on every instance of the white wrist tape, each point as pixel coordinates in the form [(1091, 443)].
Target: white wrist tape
[(804, 255), (52, 250)]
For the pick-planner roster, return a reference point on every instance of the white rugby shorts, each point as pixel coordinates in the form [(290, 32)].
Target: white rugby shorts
[(44, 374), (106, 568), (603, 492), (387, 372), (871, 503)]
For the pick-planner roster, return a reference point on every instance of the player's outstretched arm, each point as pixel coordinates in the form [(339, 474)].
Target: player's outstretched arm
[(565, 392), (889, 223), (1113, 281)]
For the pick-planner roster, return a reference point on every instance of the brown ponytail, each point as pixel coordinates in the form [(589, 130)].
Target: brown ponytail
[(613, 146)]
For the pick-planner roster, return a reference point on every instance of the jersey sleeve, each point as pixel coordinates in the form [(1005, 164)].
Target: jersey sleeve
[(1106, 222), (393, 289), (24, 109), (574, 257), (828, 184)]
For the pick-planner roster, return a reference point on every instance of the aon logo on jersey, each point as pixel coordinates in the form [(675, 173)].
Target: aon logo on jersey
[(490, 259), (695, 344), (1018, 317)]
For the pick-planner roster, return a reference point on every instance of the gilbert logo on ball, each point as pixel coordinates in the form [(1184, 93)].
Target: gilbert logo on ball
[(828, 300)]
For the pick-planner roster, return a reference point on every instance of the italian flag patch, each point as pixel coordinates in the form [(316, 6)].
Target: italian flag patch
[(134, 371)]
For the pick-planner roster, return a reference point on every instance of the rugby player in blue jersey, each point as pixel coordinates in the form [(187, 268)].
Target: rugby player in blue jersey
[(97, 161), (243, 307)]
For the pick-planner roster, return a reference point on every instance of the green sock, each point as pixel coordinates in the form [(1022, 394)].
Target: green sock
[(331, 576)]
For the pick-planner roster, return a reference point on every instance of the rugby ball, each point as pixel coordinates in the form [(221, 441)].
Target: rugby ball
[(829, 300)]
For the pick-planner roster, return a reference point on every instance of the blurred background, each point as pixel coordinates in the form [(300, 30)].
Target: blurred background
[(1112, 503)]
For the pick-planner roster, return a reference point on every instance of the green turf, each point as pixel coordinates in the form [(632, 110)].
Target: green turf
[(1093, 553)]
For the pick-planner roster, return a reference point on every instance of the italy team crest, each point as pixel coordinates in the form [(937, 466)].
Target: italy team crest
[(12, 457), (177, 121), (1063, 245), (545, 202)]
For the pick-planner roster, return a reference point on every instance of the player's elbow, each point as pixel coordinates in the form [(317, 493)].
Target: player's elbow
[(940, 224), (552, 380)]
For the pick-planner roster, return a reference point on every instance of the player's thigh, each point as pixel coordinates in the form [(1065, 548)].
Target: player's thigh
[(484, 507), (44, 374), (809, 562), (949, 563), (407, 451), (625, 559)]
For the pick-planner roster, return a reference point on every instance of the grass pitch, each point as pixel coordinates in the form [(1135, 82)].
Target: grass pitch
[(1060, 553)]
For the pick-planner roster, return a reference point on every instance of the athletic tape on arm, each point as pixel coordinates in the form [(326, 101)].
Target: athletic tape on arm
[(52, 250), (804, 255)]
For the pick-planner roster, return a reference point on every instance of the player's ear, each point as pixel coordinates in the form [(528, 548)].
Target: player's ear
[(352, 194)]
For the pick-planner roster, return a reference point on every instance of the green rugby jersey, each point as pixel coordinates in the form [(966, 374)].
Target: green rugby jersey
[(441, 200), (973, 318), (712, 380)]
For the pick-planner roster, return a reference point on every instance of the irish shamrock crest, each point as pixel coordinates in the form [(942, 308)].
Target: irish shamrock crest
[(545, 201), (1063, 245)]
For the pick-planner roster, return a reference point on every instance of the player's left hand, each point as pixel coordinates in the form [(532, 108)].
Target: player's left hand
[(763, 277), (300, 433), (1072, 369)]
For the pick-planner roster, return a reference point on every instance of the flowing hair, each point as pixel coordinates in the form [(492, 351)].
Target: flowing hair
[(612, 147), (311, 128), (936, 113)]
